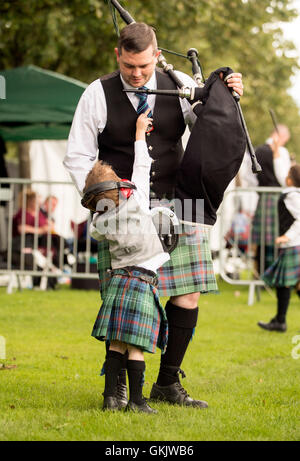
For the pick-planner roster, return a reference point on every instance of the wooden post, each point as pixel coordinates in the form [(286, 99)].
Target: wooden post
[(24, 160)]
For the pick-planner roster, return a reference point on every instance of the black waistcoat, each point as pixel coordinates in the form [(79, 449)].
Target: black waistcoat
[(286, 219), (266, 178), (116, 142)]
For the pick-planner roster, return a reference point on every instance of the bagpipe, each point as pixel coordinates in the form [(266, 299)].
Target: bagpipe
[(218, 140)]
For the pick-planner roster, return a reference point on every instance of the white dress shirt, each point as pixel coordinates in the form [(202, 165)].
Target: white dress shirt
[(90, 119), (281, 166), (292, 202)]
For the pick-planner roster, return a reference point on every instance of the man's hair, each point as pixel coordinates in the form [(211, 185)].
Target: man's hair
[(137, 37), (102, 172), (294, 174)]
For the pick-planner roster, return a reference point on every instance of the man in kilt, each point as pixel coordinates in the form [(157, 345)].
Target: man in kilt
[(105, 119), (284, 273), (275, 162), (131, 318)]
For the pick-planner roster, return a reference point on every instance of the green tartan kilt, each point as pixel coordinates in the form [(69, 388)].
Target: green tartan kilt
[(285, 271), (265, 220), (189, 270), (131, 313)]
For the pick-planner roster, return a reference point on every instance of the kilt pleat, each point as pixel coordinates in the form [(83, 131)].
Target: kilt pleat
[(265, 220), (189, 270), (131, 313), (285, 271)]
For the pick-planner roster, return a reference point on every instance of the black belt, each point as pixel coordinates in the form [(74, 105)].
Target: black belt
[(145, 274)]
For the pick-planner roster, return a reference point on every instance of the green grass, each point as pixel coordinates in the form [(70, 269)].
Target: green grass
[(247, 375)]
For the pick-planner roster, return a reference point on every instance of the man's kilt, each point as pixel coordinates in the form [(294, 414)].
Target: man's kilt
[(131, 313), (285, 271), (189, 270)]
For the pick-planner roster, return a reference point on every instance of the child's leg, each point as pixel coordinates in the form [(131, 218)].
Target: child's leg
[(113, 365), (136, 370), (283, 300), (298, 289), (278, 323), (122, 374)]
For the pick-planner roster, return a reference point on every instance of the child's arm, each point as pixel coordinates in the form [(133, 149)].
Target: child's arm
[(142, 160)]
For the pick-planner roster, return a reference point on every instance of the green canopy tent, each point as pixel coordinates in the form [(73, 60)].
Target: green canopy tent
[(38, 104)]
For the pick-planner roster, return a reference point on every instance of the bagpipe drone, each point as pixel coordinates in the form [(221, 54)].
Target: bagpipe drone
[(218, 140)]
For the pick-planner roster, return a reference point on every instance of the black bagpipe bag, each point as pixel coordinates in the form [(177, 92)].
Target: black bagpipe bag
[(214, 152)]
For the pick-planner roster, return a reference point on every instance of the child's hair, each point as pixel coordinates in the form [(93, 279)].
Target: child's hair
[(294, 175), (102, 172)]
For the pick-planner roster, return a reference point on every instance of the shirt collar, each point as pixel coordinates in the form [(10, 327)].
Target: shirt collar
[(151, 84)]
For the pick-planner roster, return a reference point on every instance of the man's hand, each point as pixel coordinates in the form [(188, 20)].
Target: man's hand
[(234, 81)]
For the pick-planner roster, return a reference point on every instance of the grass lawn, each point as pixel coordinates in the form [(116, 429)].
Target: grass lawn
[(50, 388)]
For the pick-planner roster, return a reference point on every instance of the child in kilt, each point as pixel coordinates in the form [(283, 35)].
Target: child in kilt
[(131, 319), (284, 273)]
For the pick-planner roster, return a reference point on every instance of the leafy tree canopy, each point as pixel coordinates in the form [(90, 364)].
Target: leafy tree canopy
[(77, 38)]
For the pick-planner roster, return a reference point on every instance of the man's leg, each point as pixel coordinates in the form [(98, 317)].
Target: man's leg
[(182, 313)]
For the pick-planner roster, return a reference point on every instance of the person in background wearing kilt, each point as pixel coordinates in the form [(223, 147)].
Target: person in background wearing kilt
[(275, 161), (284, 273), (96, 127), (131, 317)]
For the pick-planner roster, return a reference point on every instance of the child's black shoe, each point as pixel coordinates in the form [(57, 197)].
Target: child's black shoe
[(273, 325), (140, 408), (110, 403)]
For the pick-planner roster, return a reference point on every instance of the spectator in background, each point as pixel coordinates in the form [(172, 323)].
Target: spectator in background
[(48, 208), (34, 221), (275, 161), (31, 222), (284, 273)]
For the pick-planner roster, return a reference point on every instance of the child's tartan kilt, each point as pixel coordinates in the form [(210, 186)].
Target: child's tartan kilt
[(285, 271), (131, 313), (265, 219), (189, 270)]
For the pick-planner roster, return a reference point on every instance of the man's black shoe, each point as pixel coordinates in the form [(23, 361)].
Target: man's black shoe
[(110, 403), (121, 395), (176, 394), (140, 408), (273, 325)]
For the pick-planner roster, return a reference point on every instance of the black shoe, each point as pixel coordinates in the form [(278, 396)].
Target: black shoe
[(110, 403), (176, 394), (273, 325), (140, 408), (121, 395)]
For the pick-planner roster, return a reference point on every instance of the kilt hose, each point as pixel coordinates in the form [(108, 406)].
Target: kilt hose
[(131, 313), (285, 271), (189, 270)]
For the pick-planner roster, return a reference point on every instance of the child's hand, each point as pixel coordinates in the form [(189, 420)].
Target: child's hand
[(142, 125), (282, 239)]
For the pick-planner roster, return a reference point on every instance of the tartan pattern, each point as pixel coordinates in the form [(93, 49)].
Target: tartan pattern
[(266, 215), (189, 270), (143, 104), (285, 271), (131, 313)]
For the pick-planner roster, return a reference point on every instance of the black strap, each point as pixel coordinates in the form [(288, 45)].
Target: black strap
[(104, 186)]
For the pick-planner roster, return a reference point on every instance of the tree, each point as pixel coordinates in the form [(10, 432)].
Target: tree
[(77, 38)]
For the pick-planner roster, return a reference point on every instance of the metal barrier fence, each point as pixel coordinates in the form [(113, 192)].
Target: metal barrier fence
[(41, 254), (247, 247), (47, 255)]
